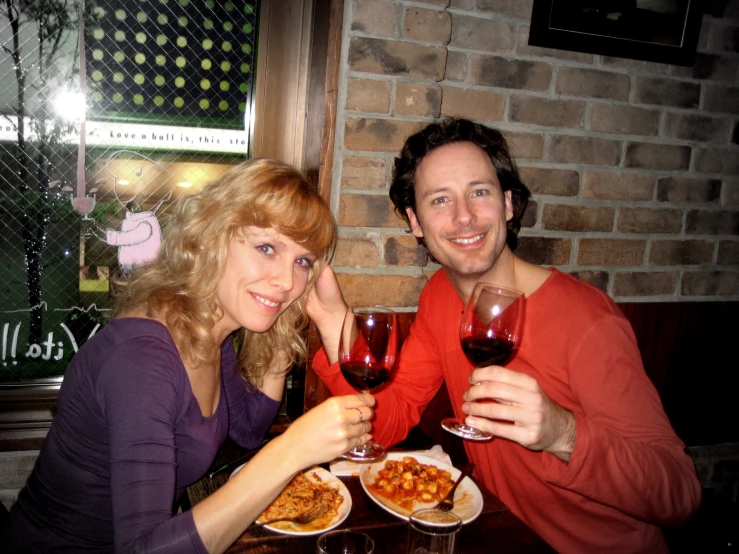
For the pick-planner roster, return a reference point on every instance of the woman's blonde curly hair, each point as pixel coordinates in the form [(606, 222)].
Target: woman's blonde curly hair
[(180, 286)]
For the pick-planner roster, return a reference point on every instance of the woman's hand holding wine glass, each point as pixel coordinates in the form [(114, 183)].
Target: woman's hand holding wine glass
[(368, 347)]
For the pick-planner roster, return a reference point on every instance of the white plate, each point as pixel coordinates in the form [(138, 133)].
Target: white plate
[(288, 528), (467, 497)]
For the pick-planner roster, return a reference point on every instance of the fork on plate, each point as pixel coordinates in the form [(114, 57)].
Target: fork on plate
[(309, 515), (447, 502)]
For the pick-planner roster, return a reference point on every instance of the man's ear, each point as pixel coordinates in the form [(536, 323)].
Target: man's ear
[(415, 226), (508, 196)]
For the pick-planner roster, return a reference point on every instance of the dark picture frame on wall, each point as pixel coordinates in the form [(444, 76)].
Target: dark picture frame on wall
[(663, 31)]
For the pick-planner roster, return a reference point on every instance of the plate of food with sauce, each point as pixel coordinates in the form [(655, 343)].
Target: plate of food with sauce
[(403, 483), (306, 489)]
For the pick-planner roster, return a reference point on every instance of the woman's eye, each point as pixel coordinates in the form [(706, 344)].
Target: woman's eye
[(266, 248), (305, 262)]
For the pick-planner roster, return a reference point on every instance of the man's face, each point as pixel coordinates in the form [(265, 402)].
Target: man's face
[(461, 212)]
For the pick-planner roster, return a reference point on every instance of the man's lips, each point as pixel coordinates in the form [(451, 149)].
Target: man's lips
[(464, 241)]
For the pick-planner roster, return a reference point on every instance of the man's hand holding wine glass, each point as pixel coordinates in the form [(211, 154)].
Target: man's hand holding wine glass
[(529, 416)]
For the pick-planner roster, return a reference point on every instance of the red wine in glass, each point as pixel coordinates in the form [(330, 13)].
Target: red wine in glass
[(490, 334), (368, 348)]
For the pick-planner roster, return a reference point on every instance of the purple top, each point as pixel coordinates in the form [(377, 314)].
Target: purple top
[(128, 438)]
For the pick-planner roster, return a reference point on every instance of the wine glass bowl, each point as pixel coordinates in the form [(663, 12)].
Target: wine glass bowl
[(490, 334), (368, 347)]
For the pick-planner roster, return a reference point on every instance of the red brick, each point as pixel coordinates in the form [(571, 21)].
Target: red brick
[(698, 128), (639, 283), (611, 252), (489, 71), (378, 135), (427, 25), (681, 252), (712, 222), (667, 92), (356, 252), (474, 33), (525, 145), (418, 100), (728, 252), (395, 291), (544, 250), (593, 83), (368, 95), (717, 160), (731, 193), (679, 190), (721, 100), (404, 250), (648, 220), (599, 279), (710, 283), (374, 18), (581, 219), (640, 66), (546, 112), (358, 172), (456, 66), (617, 186), (478, 105), (583, 150), (664, 157), (391, 57), (368, 210), (520, 9), (554, 182), (610, 118)]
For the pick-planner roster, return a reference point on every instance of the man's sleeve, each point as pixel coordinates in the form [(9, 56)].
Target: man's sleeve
[(626, 453)]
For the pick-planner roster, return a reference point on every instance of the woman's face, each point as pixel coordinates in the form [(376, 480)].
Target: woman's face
[(265, 273)]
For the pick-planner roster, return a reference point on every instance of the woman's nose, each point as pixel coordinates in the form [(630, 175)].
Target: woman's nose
[(282, 276)]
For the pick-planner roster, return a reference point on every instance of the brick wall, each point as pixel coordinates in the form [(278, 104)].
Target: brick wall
[(633, 165)]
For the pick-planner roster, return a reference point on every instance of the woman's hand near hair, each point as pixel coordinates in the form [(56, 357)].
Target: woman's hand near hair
[(320, 435), (326, 307)]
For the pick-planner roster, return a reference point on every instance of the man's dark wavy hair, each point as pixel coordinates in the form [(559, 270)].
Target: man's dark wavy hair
[(449, 131)]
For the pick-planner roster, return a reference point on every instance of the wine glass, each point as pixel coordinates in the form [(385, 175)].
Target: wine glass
[(490, 334), (367, 351)]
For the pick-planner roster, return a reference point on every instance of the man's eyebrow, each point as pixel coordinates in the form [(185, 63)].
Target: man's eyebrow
[(470, 184)]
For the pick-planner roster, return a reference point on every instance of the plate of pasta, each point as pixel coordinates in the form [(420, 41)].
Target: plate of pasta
[(403, 483), (303, 492)]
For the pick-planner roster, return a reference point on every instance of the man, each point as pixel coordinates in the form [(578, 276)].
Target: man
[(582, 450)]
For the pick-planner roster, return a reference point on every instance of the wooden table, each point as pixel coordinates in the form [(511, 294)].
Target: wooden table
[(495, 530)]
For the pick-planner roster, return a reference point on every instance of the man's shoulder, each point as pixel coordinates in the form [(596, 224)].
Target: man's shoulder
[(572, 295)]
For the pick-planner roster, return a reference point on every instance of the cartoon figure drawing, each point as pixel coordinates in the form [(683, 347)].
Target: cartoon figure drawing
[(140, 235), (138, 240)]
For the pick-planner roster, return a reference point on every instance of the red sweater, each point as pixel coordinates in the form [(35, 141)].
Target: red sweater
[(628, 473)]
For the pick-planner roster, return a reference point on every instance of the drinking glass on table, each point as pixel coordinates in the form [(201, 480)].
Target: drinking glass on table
[(345, 541), (433, 531), (490, 334), (367, 351)]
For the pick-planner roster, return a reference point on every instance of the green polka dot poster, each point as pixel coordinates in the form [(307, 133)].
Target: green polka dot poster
[(172, 61)]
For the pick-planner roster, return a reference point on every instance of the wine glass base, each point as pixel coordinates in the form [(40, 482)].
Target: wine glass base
[(368, 452), (458, 427)]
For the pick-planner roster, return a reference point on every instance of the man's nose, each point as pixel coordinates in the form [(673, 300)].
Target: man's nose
[(463, 213)]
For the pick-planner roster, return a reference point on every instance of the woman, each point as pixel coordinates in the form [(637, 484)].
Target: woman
[(148, 401)]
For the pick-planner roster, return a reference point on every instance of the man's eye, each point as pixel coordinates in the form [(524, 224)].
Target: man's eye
[(439, 200), (480, 192), (265, 248)]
